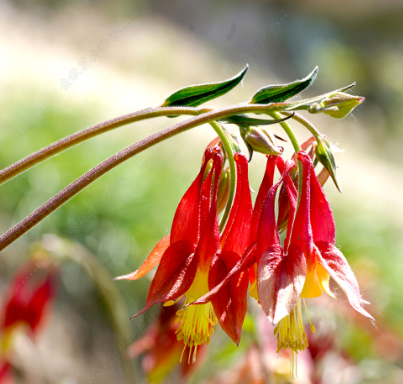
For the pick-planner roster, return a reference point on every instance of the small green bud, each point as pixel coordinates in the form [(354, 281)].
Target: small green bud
[(260, 139), (324, 153), (337, 105)]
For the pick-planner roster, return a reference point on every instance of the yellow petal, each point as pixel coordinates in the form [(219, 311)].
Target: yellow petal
[(323, 277), (312, 286)]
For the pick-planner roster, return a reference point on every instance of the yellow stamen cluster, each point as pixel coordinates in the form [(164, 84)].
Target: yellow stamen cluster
[(197, 324), (290, 334)]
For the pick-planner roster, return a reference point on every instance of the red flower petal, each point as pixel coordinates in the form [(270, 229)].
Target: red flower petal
[(39, 302), (280, 281), (292, 196), (267, 183), (174, 275), (267, 231), (230, 303), (209, 242), (322, 221), (152, 260), (302, 230), (336, 264), (186, 223), (247, 259), (236, 235), (27, 301)]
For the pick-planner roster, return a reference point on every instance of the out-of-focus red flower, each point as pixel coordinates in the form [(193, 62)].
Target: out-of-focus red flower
[(162, 348), (28, 298), (5, 373), (24, 309)]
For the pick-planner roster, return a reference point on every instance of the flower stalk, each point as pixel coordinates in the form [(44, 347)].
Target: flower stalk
[(228, 149)]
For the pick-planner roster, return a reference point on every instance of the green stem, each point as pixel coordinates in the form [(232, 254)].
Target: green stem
[(287, 130), (306, 123), (104, 282), (88, 178), (232, 166)]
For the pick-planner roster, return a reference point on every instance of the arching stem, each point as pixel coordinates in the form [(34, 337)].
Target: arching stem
[(67, 193)]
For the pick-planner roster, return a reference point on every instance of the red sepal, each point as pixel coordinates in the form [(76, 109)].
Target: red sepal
[(337, 266), (186, 223), (174, 275), (230, 302), (152, 260), (280, 280)]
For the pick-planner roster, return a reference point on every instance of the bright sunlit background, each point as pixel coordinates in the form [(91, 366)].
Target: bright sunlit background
[(145, 51)]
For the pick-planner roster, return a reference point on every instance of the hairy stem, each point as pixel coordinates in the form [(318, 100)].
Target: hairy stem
[(67, 193), (78, 137), (232, 166)]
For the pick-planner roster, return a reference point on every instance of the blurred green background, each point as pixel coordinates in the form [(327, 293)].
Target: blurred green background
[(150, 49)]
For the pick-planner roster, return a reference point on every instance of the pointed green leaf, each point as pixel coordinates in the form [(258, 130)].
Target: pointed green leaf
[(198, 94), (280, 93)]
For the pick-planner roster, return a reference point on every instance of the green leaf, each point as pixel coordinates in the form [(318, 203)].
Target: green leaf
[(198, 94), (280, 93)]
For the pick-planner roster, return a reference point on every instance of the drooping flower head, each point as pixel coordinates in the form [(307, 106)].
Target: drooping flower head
[(284, 275), (195, 257)]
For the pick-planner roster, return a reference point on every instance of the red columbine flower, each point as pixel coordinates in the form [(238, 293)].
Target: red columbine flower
[(301, 268), (286, 280), (197, 258), (184, 264), (230, 303)]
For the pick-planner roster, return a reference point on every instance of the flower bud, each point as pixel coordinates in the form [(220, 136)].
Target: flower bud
[(260, 139), (324, 153), (337, 105)]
